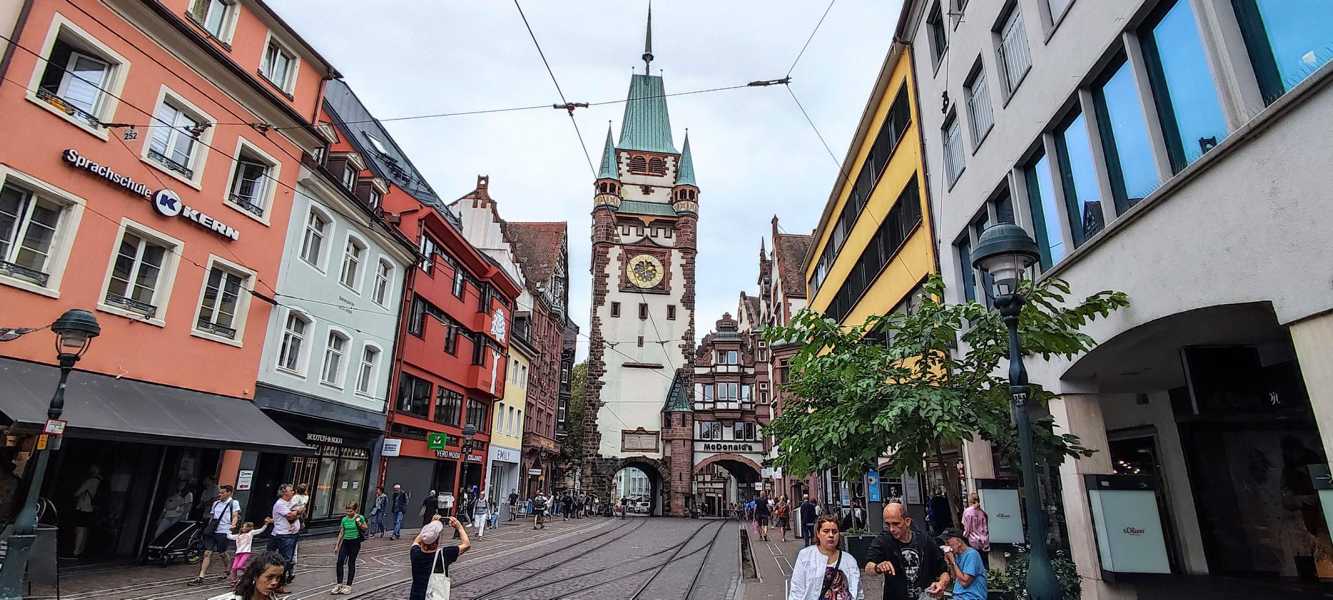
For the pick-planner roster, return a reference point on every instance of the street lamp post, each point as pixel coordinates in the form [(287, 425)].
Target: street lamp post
[(1005, 251), (74, 331), (469, 431)]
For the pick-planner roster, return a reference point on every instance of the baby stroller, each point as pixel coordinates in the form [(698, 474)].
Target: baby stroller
[(183, 540)]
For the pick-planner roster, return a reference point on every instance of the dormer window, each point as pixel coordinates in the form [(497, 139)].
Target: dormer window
[(349, 176)]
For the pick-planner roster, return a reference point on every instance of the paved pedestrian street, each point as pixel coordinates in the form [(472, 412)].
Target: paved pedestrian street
[(646, 559)]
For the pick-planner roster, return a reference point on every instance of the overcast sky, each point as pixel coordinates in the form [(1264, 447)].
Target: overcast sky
[(754, 154)]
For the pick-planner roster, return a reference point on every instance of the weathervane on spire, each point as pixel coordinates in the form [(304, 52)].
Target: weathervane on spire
[(648, 42)]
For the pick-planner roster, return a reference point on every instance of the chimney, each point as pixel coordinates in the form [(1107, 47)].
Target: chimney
[(481, 198)]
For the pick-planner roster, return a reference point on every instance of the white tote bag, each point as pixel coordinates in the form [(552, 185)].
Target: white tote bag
[(437, 587)]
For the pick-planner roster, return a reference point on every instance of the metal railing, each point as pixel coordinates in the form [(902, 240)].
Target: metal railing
[(171, 163), (143, 308), (67, 107), (22, 272), (214, 328), (248, 204)]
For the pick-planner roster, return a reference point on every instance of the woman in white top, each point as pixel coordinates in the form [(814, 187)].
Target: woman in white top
[(823, 571)]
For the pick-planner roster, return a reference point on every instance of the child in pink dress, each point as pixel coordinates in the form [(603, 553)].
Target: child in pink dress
[(244, 541)]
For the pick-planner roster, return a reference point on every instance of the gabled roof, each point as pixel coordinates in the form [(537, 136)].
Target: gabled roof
[(750, 304), (685, 174), (609, 170), (646, 125), (373, 141), (537, 246), (789, 252)]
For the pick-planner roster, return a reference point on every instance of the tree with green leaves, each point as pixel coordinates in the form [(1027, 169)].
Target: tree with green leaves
[(571, 448), (902, 386)]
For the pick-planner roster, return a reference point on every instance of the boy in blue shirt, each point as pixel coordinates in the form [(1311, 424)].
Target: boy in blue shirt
[(969, 576)]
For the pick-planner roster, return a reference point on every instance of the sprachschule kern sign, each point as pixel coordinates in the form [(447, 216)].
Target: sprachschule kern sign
[(165, 201)]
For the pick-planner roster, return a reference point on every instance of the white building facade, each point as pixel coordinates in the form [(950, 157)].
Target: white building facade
[(1177, 151)]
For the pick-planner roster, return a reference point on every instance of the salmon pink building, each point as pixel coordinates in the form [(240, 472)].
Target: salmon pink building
[(149, 154)]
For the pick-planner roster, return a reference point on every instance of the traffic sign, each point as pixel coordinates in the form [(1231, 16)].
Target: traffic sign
[(436, 440), (55, 427)]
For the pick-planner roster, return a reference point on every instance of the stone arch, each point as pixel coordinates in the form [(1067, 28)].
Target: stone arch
[(599, 473), (731, 457)]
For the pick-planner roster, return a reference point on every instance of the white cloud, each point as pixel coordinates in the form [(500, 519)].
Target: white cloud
[(754, 154)]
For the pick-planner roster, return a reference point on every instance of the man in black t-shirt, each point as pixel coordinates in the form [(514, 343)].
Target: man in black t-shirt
[(911, 562)]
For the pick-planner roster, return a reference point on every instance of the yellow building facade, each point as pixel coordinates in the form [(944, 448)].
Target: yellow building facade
[(505, 454), (874, 246)]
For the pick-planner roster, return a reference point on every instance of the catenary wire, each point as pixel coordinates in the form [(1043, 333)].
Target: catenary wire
[(812, 37), (582, 145)]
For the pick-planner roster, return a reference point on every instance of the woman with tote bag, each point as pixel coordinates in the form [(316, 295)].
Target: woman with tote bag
[(431, 560)]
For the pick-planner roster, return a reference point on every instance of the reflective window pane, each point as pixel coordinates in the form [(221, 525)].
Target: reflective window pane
[(1045, 213), (1078, 175), (1288, 40), (1129, 154), (1183, 87)]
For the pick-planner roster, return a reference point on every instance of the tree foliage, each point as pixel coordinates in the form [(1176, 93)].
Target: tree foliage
[(900, 384), (571, 449)]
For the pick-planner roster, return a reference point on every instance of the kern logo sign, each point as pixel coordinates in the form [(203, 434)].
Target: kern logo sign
[(165, 201)]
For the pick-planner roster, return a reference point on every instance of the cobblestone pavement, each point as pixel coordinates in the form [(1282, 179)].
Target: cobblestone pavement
[(584, 558)]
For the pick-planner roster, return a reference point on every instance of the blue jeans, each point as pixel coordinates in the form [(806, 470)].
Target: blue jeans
[(377, 522), (397, 525), (285, 545)]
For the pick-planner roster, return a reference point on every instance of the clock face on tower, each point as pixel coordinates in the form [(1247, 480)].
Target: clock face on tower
[(644, 271)]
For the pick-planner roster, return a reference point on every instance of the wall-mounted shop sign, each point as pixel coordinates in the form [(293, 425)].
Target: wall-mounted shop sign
[(476, 459), (166, 202), (320, 438), (728, 447)]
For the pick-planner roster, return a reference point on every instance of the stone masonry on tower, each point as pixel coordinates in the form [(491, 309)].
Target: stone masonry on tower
[(645, 213)]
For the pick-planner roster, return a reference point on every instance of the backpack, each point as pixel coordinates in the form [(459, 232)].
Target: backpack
[(539, 503)]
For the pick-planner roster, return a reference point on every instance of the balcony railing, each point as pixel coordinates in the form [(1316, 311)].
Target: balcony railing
[(143, 308), (171, 164), (24, 273), (66, 107), (215, 329), (248, 204)]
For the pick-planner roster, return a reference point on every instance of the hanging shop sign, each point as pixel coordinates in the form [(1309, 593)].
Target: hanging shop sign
[(165, 201), (392, 447)]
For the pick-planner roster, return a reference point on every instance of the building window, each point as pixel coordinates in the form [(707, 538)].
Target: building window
[(448, 404), (615, 309), (29, 234), (984, 279), (671, 312), (710, 430), (249, 182), (174, 144), (638, 164), (312, 242), (73, 82), (279, 66), (1012, 53), (221, 311), (1124, 132), (290, 355), (137, 276), (1057, 9), (413, 395), (451, 338), (428, 247), (416, 319), (365, 376), (656, 166), (383, 276), (743, 431), (939, 43), (978, 105), (1045, 211), (478, 349), (334, 350), (1184, 90), (1078, 177), (964, 248), (353, 255), (476, 415), (953, 149), (892, 233), (643, 310), (1288, 40), (374, 199), (349, 176), (460, 280), (213, 16)]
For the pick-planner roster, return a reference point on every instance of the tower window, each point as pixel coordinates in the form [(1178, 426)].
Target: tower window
[(638, 164), (640, 341), (615, 309), (643, 310), (671, 312), (657, 166)]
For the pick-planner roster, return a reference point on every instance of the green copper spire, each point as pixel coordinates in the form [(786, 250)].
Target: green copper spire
[(646, 125), (685, 174), (608, 170)]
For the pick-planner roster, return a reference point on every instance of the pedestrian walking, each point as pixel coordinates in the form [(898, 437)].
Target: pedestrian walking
[(809, 511), (429, 556), (351, 530), (782, 514), (398, 503), (976, 526), (286, 523), (761, 515), (221, 515), (824, 571), (539, 511), (301, 503), (969, 575), (938, 515), (244, 539), (377, 510), (261, 580), (513, 504), (911, 562)]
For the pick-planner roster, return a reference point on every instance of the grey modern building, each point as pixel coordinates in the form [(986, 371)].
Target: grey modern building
[(1179, 151)]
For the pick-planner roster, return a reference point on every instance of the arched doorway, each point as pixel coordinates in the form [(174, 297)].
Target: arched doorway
[(723, 481), (608, 478)]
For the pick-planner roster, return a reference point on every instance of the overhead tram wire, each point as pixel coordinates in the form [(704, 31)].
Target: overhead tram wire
[(811, 38), (564, 102)]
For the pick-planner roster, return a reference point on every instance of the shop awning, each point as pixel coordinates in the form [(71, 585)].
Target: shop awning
[(103, 407)]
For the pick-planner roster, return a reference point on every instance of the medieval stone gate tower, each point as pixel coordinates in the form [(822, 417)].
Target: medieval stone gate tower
[(645, 215)]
